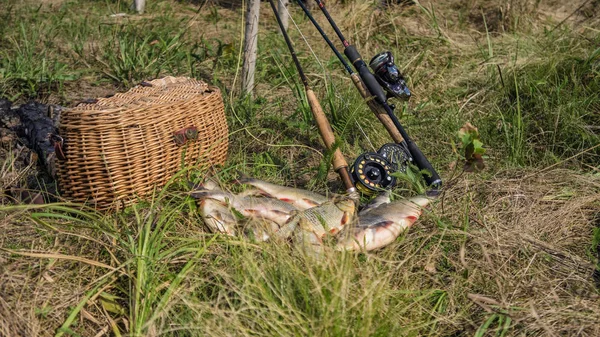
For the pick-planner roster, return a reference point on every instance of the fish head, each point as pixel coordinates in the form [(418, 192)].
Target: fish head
[(210, 206), (408, 210)]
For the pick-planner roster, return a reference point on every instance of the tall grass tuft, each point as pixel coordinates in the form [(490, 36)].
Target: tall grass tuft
[(29, 68), (133, 53)]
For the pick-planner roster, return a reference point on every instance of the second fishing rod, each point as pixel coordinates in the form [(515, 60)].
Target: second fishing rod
[(339, 163), (387, 77)]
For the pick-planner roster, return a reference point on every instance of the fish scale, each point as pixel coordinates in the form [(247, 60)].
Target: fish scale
[(325, 218), (330, 217)]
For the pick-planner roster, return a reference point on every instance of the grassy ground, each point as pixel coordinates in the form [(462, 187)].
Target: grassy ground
[(510, 251)]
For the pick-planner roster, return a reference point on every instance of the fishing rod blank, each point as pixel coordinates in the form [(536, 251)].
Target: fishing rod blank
[(354, 56), (339, 163), (325, 37)]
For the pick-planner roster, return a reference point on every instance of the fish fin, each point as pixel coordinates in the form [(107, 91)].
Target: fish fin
[(345, 218), (243, 178), (288, 228), (310, 202)]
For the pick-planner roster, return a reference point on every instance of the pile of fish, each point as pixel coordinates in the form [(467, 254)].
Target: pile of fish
[(269, 211)]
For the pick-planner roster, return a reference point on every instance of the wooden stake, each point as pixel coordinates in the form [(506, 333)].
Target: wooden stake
[(281, 9), (250, 47), (139, 6)]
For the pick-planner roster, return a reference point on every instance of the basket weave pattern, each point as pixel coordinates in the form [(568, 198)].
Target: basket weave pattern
[(122, 147)]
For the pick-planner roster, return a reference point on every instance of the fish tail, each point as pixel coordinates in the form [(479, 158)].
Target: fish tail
[(244, 178), (194, 186), (200, 193)]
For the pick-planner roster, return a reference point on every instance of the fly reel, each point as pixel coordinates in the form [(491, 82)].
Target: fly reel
[(372, 172)]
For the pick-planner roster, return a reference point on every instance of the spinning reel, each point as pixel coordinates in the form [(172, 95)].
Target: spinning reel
[(389, 77), (372, 171)]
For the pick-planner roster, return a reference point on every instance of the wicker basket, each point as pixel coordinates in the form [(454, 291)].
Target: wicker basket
[(120, 148)]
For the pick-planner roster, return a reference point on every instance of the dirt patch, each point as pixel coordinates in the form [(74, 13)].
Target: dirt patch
[(78, 91)]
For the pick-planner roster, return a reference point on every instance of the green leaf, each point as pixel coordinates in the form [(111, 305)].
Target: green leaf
[(478, 147), (473, 147)]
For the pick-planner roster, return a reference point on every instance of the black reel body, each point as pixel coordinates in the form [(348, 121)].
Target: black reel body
[(389, 77), (372, 172)]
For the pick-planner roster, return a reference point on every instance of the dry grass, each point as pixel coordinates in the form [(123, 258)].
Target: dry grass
[(515, 246), (526, 249), (509, 252)]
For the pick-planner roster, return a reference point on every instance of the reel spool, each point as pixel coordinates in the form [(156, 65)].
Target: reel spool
[(396, 154), (372, 172), (389, 77)]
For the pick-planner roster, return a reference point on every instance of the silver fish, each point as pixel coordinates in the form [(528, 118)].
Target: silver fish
[(250, 206), (380, 226), (301, 199), (220, 218)]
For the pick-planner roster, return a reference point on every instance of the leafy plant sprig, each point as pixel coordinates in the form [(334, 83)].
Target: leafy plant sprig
[(474, 151)]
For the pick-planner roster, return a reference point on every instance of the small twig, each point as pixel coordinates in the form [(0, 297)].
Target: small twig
[(562, 161), (568, 17), (500, 73)]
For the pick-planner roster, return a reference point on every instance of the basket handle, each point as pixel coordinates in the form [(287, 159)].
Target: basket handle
[(57, 141), (182, 136)]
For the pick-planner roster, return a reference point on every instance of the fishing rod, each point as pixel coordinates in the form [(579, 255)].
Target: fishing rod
[(387, 77), (372, 171), (339, 163), (363, 90)]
